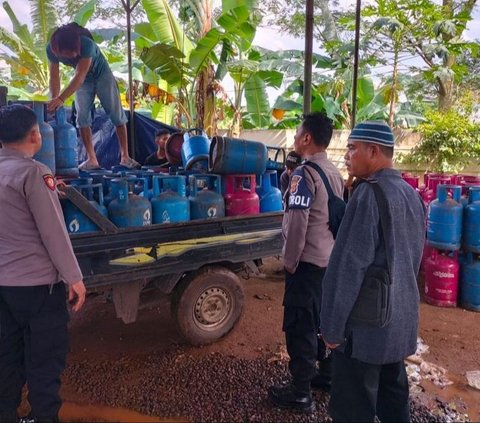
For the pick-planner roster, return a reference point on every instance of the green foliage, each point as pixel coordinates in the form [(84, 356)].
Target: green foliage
[(450, 142)]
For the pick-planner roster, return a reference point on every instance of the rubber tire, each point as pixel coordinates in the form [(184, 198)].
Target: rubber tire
[(187, 294)]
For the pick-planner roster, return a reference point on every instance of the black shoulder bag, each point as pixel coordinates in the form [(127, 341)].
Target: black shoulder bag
[(336, 205), (373, 306)]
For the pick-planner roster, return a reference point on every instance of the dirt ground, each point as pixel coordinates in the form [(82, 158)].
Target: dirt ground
[(97, 336)]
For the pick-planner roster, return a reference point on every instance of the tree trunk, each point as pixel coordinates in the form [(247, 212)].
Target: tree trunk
[(393, 92)]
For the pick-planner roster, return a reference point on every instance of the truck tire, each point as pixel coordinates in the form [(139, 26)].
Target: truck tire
[(207, 304)]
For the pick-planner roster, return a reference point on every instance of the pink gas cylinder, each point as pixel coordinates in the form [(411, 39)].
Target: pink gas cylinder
[(240, 195), (432, 181), (410, 179), (427, 251), (441, 278), (467, 181)]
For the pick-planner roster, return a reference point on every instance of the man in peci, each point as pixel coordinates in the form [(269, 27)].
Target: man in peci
[(383, 230)]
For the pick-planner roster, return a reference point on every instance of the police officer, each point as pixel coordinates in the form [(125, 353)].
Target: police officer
[(36, 265), (307, 246)]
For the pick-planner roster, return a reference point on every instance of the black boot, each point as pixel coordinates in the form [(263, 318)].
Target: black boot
[(288, 398)]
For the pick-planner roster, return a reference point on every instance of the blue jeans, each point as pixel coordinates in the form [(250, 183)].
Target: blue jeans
[(106, 88)]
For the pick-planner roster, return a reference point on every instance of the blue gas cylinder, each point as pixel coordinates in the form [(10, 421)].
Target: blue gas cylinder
[(236, 156), (470, 283), (128, 209), (444, 226), (169, 202), (145, 176), (206, 200), (75, 220), (471, 221), (268, 192), (66, 151), (46, 155), (195, 149)]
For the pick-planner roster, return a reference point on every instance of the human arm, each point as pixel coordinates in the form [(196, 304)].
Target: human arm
[(81, 71), (300, 200), (54, 82)]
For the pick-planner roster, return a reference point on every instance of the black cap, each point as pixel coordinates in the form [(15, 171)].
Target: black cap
[(293, 160)]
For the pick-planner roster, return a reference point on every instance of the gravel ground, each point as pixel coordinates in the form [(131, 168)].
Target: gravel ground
[(215, 388)]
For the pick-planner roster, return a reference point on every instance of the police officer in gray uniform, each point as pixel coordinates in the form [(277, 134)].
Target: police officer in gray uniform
[(36, 265), (307, 246)]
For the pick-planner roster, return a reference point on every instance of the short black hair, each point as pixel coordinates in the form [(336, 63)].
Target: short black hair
[(161, 131), (319, 126), (16, 121), (387, 151)]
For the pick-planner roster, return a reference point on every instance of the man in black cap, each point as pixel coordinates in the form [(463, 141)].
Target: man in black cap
[(369, 380), (292, 160)]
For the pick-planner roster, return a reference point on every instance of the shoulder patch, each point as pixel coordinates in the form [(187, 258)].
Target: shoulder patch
[(49, 181), (300, 195)]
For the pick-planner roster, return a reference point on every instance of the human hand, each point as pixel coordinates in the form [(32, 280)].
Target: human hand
[(60, 184), (76, 295), (54, 104), (331, 346)]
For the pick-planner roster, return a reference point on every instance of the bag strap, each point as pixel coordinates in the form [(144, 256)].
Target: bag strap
[(382, 211), (313, 165)]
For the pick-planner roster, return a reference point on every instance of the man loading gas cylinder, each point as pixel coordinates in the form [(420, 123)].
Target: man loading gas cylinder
[(36, 265), (308, 242)]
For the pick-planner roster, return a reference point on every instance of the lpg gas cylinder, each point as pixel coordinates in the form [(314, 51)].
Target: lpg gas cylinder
[(470, 283), (169, 201), (441, 278), (46, 154), (206, 200), (66, 151), (410, 179), (195, 149), (128, 209), (268, 192), (471, 221), (444, 226), (240, 200), (75, 220)]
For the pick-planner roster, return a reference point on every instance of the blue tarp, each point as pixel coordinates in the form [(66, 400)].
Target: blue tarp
[(105, 139)]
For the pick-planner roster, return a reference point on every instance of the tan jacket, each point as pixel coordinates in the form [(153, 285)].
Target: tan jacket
[(305, 223), (35, 248)]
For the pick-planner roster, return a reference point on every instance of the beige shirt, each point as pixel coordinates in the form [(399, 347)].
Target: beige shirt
[(35, 248), (305, 230)]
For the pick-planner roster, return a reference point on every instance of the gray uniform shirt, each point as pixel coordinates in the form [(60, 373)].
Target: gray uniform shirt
[(359, 244), (305, 225), (34, 245)]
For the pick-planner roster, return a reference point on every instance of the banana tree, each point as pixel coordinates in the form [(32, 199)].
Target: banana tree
[(191, 68)]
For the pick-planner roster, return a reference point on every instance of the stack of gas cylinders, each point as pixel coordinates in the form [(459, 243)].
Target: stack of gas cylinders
[(208, 179), (450, 263)]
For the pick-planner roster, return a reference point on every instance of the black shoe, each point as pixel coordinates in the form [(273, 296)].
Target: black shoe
[(287, 398), (321, 382)]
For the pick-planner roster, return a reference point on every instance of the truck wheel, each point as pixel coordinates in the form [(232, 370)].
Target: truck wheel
[(207, 304)]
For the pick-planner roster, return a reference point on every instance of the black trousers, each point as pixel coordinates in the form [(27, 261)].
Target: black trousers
[(301, 321), (361, 391), (33, 348)]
